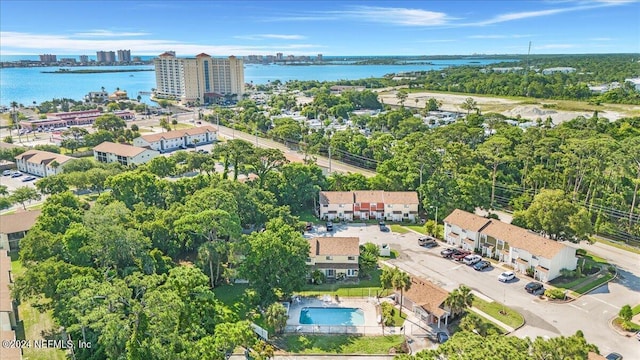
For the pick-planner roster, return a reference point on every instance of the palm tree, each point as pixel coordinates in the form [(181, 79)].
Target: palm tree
[(276, 316), (13, 120), (459, 299), (396, 279)]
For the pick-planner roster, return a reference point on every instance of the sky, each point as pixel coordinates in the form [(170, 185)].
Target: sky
[(310, 27)]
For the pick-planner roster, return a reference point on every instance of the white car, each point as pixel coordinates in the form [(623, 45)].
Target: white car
[(471, 259), (506, 276)]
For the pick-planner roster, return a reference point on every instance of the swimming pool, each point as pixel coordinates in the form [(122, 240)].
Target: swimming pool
[(331, 316)]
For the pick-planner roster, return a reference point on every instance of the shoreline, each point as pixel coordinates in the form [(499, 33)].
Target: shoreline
[(93, 71)]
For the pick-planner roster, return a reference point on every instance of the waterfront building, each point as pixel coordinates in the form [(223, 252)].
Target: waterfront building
[(124, 56), (41, 163), (105, 57), (319, 57), (278, 56), (201, 79), (71, 118), (84, 59), (48, 58), (124, 154), (97, 97)]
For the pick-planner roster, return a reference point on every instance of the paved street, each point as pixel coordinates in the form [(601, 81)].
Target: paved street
[(591, 313)]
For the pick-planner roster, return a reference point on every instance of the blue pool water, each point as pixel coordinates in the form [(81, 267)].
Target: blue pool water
[(331, 316)]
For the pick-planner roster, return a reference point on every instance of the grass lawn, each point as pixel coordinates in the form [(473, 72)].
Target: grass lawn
[(308, 216), (364, 288), (512, 318), (594, 284), (455, 327), (636, 310), (398, 318), (416, 228), (633, 327), (341, 344), (35, 323), (181, 126), (399, 229)]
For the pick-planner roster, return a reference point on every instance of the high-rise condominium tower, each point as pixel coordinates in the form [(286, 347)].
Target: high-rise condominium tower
[(201, 79)]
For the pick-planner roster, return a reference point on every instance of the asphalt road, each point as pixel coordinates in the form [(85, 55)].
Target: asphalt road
[(591, 313)]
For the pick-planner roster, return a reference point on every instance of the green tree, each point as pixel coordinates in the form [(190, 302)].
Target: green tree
[(162, 166), (397, 279), (110, 122), (53, 184), (470, 105), (276, 317), (459, 299), (402, 96), (24, 194), (368, 259), (267, 253), (553, 213), (626, 313), (496, 151), (265, 161)]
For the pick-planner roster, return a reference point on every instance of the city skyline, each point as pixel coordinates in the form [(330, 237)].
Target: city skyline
[(331, 28)]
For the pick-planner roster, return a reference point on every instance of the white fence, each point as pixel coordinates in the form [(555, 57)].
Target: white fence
[(343, 329)]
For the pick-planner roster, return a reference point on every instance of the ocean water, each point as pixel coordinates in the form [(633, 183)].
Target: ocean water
[(26, 85)]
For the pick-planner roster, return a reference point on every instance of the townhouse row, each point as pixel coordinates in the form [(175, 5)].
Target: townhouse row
[(523, 249), (369, 205)]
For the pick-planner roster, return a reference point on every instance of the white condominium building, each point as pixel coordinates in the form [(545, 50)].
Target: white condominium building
[(200, 79)]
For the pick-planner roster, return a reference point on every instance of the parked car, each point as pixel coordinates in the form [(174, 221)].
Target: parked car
[(506, 276), (6, 173), (448, 252), (383, 226), (308, 226), (29, 178), (427, 242), (638, 335), (460, 255), (442, 337), (534, 288), (481, 265), (471, 259), (614, 356), (329, 226), (16, 174)]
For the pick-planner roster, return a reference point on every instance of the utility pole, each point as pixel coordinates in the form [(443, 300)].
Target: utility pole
[(329, 159)]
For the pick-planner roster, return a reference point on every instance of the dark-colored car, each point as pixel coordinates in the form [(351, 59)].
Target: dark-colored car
[(460, 255), (329, 226), (614, 356), (534, 288), (383, 226), (427, 242), (482, 265), (308, 226), (442, 337)]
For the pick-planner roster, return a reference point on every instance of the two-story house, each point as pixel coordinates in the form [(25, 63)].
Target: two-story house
[(15, 227), (125, 154), (523, 249), (369, 205), (336, 205), (177, 139), (41, 163), (335, 257)]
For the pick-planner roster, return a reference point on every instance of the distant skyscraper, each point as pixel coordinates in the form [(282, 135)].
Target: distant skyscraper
[(48, 58), (279, 56), (124, 56), (84, 59), (202, 78), (105, 57), (319, 57)]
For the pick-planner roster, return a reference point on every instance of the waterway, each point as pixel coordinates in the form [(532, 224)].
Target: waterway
[(26, 85)]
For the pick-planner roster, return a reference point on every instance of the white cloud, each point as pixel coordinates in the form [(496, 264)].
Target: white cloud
[(108, 33), (555, 46), (398, 16), (511, 36), (28, 43), (270, 36)]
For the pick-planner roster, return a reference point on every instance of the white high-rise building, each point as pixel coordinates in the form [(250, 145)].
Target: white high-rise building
[(201, 79)]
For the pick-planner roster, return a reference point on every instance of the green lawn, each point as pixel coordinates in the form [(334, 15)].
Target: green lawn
[(416, 228), (398, 318), (364, 288), (594, 284), (182, 126), (341, 344), (511, 318), (455, 327), (399, 229), (35, 323), (308, 216)]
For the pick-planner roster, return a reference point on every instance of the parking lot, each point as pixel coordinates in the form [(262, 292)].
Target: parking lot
[(591, 313), (13, 183)]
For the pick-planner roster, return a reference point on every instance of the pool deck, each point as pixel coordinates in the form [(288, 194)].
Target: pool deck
[(368, 306)]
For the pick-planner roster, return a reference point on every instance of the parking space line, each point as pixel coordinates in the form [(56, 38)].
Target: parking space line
[(579, 308), (604, 302)]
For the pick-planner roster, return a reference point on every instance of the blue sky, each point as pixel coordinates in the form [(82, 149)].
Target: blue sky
[(309, 27)]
